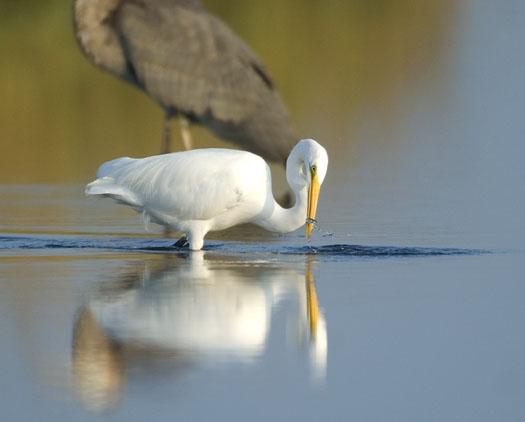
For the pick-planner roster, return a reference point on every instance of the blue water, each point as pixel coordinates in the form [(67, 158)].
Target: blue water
[(14, 242), (106, 319)]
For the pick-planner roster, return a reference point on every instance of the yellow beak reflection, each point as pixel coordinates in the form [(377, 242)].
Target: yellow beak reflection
[(313, 197), (311, 302)]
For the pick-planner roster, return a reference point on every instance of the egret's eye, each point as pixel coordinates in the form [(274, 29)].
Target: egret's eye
[(314, 168)]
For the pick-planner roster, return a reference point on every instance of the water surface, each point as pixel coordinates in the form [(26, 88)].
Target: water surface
[(123, 324)]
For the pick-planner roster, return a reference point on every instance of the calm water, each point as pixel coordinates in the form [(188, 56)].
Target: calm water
[(121, 325), (406, 306)]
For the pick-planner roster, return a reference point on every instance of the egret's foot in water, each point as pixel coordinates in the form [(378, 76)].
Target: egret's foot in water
[(182, 242)]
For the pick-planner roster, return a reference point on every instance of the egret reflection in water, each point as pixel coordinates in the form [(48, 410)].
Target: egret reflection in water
[(188, 313)]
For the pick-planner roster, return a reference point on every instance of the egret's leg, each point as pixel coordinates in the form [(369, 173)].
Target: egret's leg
[(165, 145), (196, 243), (182, 242), (196, 236), (185, 132)]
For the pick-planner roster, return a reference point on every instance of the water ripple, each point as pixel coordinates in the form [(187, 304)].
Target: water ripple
[(378, 251), (41, 242)]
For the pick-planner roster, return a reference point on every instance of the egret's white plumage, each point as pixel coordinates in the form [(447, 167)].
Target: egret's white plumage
[(212, 189)]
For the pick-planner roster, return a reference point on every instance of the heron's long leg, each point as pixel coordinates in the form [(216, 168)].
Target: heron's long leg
[(165, 148), (185, 132), (286, 200), (165, 145)]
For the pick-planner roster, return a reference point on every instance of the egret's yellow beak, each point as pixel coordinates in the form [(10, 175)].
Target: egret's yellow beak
[(313, 197)]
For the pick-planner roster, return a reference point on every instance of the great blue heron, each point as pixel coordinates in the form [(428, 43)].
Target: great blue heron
[(190, 63)]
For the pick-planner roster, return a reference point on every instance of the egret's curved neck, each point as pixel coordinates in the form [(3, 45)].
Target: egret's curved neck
[(283, 220)]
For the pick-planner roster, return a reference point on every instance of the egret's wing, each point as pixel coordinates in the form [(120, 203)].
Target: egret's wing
[(188, 60), (194, 185)]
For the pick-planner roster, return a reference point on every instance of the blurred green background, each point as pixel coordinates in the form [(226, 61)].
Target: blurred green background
[(60, 117)]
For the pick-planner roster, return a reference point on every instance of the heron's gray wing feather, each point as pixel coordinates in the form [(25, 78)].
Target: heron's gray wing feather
[(188, 60)]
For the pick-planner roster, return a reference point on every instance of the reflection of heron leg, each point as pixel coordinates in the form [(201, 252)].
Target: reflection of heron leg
[(182, 242), (166, 133), (185, 132)]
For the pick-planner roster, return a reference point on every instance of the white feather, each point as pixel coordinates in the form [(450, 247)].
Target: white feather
[(206, 189)]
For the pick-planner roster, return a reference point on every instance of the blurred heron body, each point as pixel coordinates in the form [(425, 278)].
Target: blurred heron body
[(190, 63)]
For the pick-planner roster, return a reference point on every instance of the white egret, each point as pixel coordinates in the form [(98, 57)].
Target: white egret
[(204, 190)]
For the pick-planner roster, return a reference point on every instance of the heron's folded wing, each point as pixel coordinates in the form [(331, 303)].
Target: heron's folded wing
[(188, 59)]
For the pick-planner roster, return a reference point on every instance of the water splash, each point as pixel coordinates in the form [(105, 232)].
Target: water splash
[(378, 251)]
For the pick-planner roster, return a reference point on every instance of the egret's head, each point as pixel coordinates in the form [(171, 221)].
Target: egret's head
[(306, 167)]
